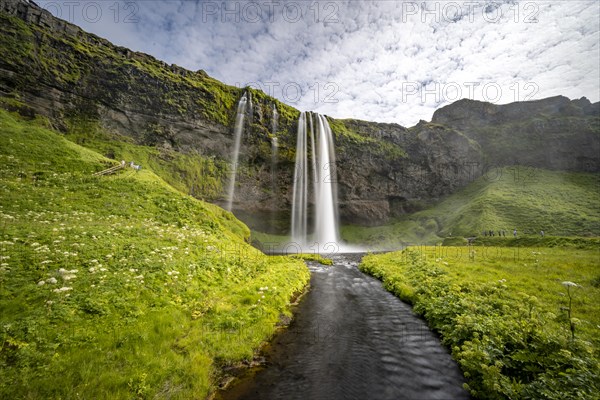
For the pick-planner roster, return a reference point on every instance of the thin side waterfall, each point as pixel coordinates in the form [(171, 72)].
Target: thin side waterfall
[(274, 151), (318, 165), (250, 112), (274, 121), (237, 133), (250, 105), (274, 157), (300, 191)]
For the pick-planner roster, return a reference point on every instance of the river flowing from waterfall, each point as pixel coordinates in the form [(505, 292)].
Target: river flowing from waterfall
[(351, 339)]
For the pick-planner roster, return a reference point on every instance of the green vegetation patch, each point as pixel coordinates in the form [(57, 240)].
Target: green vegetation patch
[(199, 175), (122, 287), (520, 322), (348, 138), (562, 204), (313, 257)]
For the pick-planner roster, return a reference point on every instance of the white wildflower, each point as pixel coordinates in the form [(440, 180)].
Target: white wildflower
[(41, 283), (52, 280), (63, 289), (569, 283)]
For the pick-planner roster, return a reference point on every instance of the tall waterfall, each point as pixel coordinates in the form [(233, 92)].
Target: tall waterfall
[(317, 166), (300, 192), (326, 226), (237, 133)]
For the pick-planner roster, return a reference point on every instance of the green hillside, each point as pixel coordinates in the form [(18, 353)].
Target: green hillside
[(521, 323), (526, 199), (121, 287)]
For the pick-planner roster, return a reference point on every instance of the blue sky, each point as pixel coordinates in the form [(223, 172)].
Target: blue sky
[(389, 61)]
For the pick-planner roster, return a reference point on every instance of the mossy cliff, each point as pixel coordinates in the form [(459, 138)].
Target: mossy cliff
[(178, 122)]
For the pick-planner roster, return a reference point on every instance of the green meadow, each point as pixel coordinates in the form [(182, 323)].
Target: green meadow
[(562, 204), (521, 322), (122, 287)]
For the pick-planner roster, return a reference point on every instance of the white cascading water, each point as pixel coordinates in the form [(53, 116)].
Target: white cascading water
[(274, 149), (321, 162), (274, 121), (326, 227), (300, 190), (250, 111), (237, 134)]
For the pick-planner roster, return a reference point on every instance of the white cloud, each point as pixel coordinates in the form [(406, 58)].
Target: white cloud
[(375, 54)]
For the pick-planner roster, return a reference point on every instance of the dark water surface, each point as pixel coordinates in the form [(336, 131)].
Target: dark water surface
[(351, 339)]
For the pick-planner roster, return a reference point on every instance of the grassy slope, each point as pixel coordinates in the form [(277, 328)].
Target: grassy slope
[(503, 314), (199, 175), (530, 200), (159, 290)]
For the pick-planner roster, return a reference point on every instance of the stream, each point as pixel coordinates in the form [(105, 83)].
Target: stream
[(351, 339)]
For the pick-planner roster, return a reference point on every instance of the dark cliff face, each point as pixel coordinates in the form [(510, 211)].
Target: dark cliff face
[(77, 80), (553, 133)]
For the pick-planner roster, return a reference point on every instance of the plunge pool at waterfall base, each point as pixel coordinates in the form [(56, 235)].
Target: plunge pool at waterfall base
[(351, 339)]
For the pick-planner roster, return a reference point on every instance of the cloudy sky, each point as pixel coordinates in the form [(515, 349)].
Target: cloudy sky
[(389, 61)]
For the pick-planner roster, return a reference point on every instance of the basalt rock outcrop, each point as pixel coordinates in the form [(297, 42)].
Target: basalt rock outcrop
[(81, 82), (552, 133)]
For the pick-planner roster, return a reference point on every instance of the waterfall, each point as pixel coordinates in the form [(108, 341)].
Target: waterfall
[(300, 190), (318, 165), (274, 157), (237, 133), (250, 105), (250, 112), (274, 121), (274, 152), (326, 228)]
